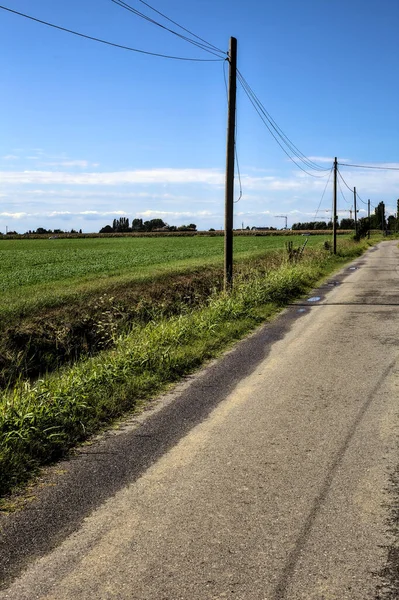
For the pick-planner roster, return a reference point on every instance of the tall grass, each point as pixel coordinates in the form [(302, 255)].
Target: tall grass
[(40, 421)]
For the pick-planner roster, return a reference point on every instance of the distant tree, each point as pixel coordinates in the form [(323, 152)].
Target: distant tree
[(191, 227), (121, 225), (380, 216), (42, 231), (319, 225), (363, 226), (310, 225), (391, 223), (137, 225), (106, 229), (154, 224), (347, 224)]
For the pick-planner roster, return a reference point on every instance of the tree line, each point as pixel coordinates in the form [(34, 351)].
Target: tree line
[(377, 220), (122, 225)]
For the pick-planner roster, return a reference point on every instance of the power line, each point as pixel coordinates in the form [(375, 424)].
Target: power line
[(181, 27), (101, 41), (239, 174), (276, 128), (279, 132), (203, 46), (342, 193), (271, 125), (359, 198), (350, 189), (266, 123), (369, 167), (325, 188)]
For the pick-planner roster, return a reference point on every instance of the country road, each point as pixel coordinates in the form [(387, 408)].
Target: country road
[(270, 475)]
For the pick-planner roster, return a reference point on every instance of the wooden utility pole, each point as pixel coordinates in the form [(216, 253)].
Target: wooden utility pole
[(368, 214), (354, 202), (335, 207), (230, 156)]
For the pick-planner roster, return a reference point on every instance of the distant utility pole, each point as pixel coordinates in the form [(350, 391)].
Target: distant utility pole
[(368, 214), (354, 203), (335, 207), (230, 155)]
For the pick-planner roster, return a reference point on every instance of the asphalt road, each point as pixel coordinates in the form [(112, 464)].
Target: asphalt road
[(270, 475)]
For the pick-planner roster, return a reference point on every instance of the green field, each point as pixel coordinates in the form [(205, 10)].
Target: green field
[(32, 270)]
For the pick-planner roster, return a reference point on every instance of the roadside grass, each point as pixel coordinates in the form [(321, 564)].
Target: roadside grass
[(40, 421), (53, 329)]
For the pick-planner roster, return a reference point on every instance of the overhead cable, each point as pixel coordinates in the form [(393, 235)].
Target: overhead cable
[(369, 167), (208, 44), (359, 198), (239, 174), (136, 12), (310, 164), (339, 173), (266, 122), (350, 189), (101, 41), (342, 193), (325, 188)]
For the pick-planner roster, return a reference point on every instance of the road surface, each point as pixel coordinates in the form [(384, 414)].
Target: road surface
[(270, 475)]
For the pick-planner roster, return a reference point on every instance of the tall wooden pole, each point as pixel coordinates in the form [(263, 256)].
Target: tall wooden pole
[(354, 202), (335, 207), (230, 156)]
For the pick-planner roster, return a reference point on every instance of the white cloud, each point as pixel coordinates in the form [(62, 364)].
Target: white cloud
[(109, 194), (176, 176), (155, 214), (10, 157), (16, 215), (70, 163), (63, 213), (326, 159)]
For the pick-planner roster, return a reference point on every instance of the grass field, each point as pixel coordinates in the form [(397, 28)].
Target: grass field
[(24, 263), (45, 271), (35, 274)]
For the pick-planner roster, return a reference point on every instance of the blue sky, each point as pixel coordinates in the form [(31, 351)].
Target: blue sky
[(90, 132)]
